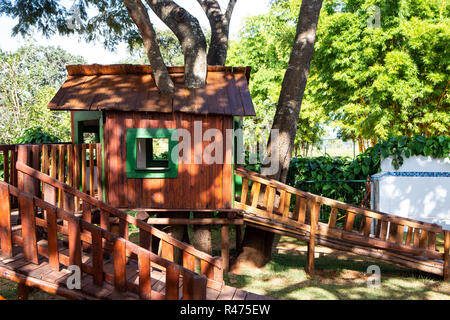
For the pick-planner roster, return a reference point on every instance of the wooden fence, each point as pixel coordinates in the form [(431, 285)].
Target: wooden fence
[(56, 222), (211, 267), (8, 154), (399, 240)]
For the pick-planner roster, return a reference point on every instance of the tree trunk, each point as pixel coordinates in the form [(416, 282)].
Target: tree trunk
[(190, 34), (139, 14), (255, 251), (202, 236), (220, 24), (176, 231)]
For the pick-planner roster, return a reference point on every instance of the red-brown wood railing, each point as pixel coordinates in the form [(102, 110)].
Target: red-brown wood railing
[(211, 267), (362, 227), (8, 154), (56, 222)]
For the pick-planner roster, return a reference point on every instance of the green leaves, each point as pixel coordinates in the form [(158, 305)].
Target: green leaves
[(397, 147), (374, 82), (36, 135), (338, 177), (29, 78)]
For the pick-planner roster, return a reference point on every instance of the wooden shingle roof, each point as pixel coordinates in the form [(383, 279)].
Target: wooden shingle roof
[(132, 88)]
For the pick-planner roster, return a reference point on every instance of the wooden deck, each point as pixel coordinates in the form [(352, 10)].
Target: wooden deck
[(42, 276)]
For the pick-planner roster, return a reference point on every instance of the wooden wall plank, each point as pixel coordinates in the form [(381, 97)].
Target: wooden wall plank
[(202, 186)]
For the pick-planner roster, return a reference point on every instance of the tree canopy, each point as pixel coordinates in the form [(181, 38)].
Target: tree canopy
[(29, 79), (394, 79), (366, 81)]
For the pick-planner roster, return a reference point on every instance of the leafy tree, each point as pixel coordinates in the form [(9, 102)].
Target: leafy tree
[(128, 20), (29, 79), (264, 43), (36, 135), (388, 80), (114, 21)]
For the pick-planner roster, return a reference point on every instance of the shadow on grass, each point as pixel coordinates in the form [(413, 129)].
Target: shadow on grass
[(337, 278)]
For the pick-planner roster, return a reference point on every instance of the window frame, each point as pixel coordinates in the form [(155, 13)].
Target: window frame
[(151, 173)]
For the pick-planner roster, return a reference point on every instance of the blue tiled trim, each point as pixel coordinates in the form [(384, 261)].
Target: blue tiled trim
[(412, 174)]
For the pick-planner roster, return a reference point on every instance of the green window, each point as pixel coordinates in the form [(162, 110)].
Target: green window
[(149, 153)]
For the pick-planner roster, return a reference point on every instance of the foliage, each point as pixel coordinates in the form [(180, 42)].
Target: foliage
[(398, 147), (374, 82), (368, 82), (29, 79), (109, 21), (264, 43), (36, 135), (169, 46), (339, 178), (342, 178)]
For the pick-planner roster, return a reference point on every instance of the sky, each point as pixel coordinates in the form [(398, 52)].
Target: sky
[(95, 53)]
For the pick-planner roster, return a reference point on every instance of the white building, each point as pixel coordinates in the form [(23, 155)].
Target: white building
[(419, 189)]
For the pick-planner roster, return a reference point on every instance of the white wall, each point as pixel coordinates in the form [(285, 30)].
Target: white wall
[(423, 195)]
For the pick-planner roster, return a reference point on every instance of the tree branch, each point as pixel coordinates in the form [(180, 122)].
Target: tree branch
[(190, 34), (230, 9), (292, 90), (219, 22), (140, 16)]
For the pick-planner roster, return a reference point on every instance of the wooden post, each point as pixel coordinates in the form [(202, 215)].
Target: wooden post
[(446, 255), (27, 216), (311, 245), (199, 287), (52, 237), (120, 276), (145, 287), (238, 238), (225, 235), (25, 182), (5, 221), (22, 291), (36, 164), (172, 282)]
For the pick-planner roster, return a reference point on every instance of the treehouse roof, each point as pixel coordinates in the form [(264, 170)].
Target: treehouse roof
[(128, 87)]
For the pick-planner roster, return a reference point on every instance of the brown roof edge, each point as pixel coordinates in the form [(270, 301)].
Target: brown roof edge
[(111, 69)]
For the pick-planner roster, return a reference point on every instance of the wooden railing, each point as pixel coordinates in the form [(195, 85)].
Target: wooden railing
[(78, 165), (351, 225), (210, 266), (57, 222), (8, 154)]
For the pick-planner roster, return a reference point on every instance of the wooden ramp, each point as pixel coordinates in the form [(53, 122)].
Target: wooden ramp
[(41, 275), (282, 209), (39, 241)]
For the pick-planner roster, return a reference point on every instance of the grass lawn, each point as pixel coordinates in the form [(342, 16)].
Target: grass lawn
[(339, 276), (8, 290)]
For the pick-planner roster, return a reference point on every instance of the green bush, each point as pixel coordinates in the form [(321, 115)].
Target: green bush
[(36, 135), (343, 178)]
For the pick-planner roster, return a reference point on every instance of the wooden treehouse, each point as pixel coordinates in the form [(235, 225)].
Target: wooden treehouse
[(71, 204)]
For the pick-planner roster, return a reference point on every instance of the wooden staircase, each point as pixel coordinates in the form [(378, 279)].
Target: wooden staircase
[(276, 207)]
